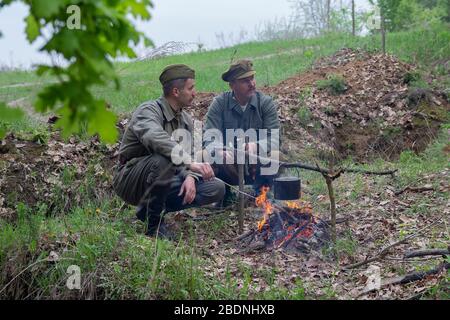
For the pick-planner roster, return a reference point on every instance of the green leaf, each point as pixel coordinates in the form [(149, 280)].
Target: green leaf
[(66, 42), (32, 29), (67, 123), (139, 9), (103, 122), (46, 8), (9, 114), (148, 42)]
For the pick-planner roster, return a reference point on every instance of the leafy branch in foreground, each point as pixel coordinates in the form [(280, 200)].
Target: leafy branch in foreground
[(88, 34), (9, 115)]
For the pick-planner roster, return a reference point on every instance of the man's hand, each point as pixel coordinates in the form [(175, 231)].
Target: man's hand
[(188, 189), (204, 169)]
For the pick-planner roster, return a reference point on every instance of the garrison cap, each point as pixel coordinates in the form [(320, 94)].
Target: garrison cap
[(176, 71), (239, 70)]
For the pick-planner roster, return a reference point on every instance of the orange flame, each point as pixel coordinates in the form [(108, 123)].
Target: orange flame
[(303, 206), (263, 202)]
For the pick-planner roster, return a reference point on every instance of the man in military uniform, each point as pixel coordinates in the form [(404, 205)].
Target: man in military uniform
[(147, 175), (243, 108)]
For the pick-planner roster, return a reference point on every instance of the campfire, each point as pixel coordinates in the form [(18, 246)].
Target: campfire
[(288, 225)]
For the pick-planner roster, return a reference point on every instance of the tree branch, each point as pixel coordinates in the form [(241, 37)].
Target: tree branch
[(386, 250), (427, 252)]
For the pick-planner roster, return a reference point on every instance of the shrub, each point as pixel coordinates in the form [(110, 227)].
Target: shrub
[(334, 83)]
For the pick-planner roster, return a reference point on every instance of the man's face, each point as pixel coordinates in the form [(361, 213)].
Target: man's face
[(244, 87), (186, 95)]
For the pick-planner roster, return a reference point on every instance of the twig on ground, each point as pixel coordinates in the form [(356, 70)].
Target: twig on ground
[(414, 189), (339, 220), (427, 252), (386, 250), (410, 277), (244, 235)]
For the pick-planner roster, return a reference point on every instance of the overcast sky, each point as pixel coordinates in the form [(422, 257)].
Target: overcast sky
[(172, 20)]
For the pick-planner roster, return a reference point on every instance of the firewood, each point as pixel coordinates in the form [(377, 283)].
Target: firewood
[(255, 246)]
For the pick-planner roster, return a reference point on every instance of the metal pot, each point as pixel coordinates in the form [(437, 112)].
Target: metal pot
[(287, 188)]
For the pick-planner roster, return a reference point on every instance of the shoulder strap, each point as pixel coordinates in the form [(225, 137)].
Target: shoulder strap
[(228, 98), (164, 117), (258, 97)]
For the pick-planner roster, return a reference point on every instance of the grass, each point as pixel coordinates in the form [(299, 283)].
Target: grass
[(115, 259), (334, 83)]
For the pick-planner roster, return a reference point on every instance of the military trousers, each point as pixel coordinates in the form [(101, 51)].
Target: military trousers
[(154, 182)]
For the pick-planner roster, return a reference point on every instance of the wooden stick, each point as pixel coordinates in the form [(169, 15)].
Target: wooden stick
[(410, 277), (332, 208), (414, 189), (427, 252), (244, 235), (314, 168), (386, 250), (241, 197), (339, 220), (329, 181)]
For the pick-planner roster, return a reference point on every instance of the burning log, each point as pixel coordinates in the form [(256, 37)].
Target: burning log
[(290, 226)]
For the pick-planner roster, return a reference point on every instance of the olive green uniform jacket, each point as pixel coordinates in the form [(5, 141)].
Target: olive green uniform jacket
[(148, 134)]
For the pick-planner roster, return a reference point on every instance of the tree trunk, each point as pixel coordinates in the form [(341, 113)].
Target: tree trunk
[(328, 9), (329, 182), (353, 19), (383, 30)]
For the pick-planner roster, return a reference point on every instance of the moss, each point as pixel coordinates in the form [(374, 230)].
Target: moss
[(440, 113)]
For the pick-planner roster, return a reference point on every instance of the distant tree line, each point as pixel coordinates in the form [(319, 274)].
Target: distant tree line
[(311, 18), (405, 14)]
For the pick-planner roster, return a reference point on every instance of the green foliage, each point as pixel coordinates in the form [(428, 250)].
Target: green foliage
[(404, 14), (341, 20), (346, 245), (8, 116), (411, 77), (104, 32), (432, 159), (304, 115), (335, 84)]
